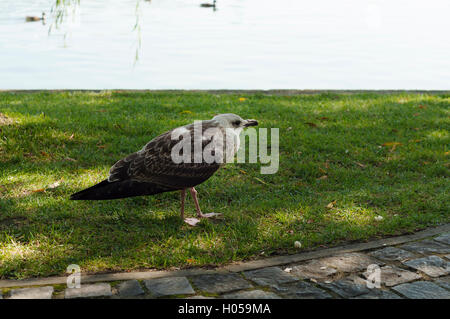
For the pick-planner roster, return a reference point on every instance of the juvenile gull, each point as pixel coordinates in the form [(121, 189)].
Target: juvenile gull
[(153, 170)]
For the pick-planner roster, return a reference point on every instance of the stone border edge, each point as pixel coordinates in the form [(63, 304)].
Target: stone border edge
[(235, 267)]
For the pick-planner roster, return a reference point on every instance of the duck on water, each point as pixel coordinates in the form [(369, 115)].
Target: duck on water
[(34, 18)]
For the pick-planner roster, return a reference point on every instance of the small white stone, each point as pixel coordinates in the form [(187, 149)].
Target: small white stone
[(378, 218), (288, 270), (323, 268), (297, 244)]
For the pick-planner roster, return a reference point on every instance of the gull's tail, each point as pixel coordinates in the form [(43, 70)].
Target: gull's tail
[(120, 189)]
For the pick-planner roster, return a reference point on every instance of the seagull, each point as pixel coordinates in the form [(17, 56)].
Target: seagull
[(154, 169)]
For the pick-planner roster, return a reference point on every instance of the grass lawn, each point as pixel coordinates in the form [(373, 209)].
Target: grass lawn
[(344, 160)]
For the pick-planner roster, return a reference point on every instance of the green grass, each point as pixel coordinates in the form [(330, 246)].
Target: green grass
[(75, 137)]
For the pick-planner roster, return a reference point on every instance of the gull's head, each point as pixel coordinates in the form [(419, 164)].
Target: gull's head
[(233, 121)]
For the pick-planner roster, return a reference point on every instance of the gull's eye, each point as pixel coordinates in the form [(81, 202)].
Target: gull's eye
[(236, 123)]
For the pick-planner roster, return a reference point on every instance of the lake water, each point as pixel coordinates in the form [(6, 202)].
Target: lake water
[(243, 44)]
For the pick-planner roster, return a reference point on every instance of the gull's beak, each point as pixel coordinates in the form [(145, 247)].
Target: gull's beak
[(251, 123)]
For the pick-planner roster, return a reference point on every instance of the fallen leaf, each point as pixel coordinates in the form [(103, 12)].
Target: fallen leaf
[(323, 118), (242, 171), (322, 170), (186, 112), (39, 190), (311, 124), (391, 143), (323, 177), (361, 165), (331, 205), (393, 148), (260, 180), (422, 106), (190, 261), (70, 159), (416, 114), (242, 99), (447, 153)]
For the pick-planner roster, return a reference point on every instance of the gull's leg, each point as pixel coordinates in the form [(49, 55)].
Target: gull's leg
[(197, 206), (195, 221), (182, 198), (189, 221)]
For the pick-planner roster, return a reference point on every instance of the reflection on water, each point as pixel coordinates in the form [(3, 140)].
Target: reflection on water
[(236, 44)]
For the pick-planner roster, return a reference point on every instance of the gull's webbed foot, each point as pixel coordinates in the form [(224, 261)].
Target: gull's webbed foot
[(192, 221)]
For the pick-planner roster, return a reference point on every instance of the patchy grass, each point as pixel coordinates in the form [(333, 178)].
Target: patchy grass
[(382, 154)]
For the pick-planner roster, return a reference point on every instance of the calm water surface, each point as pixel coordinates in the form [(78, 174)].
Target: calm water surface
[(243, 44)]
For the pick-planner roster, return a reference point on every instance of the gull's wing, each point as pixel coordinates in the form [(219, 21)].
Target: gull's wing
[(154, 164)]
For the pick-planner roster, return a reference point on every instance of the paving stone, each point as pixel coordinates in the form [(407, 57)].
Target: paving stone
[(220, 283), (392, 254), (313, 269), (346, 288), (379, 294), (32, 293), (433, 266), (443, 282), (391, 276), (252, 294), (350, 262), (422, 290), (447, 256), (86, 291), (270, 276), (130, 288), (169, 286), (303, 290), (427, 247), (444, 238)]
